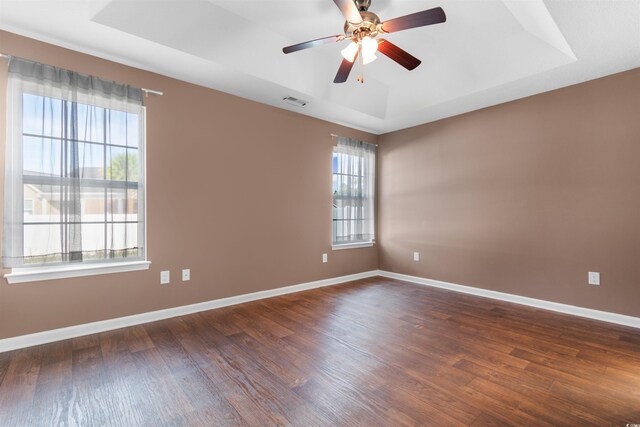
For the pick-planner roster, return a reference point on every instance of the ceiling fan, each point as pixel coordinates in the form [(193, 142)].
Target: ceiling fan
[(362, 27)]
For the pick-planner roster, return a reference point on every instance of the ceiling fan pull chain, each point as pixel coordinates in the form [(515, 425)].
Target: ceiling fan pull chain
[(360, 65)]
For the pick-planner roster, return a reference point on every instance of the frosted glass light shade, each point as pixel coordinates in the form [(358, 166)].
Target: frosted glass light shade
[(349, 52), (368, 58), (369, 45), (369, 48)]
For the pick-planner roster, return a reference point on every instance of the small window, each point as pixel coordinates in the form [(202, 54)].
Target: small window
[(353, 193)]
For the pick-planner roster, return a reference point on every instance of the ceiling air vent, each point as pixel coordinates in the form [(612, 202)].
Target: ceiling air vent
[(295, 101)]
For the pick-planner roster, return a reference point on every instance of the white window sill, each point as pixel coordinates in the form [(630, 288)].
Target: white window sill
[(351, 246), (22, 275)]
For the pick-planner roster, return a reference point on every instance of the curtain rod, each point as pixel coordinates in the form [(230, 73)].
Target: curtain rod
[(333, 135), (152, 92), (146, 91)]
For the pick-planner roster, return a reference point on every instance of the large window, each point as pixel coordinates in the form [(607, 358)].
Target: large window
[(353, 193), (74, 175)]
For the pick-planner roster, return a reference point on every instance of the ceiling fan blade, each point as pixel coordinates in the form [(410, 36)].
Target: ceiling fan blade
[(402, 57), (312, 43), (418, 19), (344, 70), (349, 10)]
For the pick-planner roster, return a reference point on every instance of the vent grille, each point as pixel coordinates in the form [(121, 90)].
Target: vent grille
[(295, 101)]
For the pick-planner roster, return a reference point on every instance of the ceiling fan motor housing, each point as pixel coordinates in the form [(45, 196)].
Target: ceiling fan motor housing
[(368, 27)]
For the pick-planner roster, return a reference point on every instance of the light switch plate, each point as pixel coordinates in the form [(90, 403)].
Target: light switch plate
[(325, 259), (416, 256), (594, 278), (186, 275)]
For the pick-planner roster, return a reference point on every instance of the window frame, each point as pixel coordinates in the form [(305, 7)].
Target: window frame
[(37, 272)]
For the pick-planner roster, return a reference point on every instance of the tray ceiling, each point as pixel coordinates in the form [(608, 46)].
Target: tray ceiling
[(488, 51)]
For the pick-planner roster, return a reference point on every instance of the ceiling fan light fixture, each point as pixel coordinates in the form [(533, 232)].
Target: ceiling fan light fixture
[(369, 48), (368, 58), (349, 52), (369, 45)]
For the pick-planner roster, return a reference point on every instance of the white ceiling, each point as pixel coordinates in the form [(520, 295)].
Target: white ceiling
[(488, 51)]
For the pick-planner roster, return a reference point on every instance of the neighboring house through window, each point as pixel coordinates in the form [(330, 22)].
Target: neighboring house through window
[(28, 206), (354, 164)]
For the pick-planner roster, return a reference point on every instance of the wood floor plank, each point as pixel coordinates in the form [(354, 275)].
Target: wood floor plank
[(371, 352), (593, 398), (19, 385), (5, 359), (54, 387), (158, 389), (273, 362), (196, 386), (127, 379), (91, 401), (137, 339)]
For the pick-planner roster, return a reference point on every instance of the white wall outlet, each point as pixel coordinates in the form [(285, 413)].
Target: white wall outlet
[(325, 258), (594, 278), (416, 256), (165, 277), (186, 275)]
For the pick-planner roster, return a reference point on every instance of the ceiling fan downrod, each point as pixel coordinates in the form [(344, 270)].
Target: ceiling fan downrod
[(362, 5)]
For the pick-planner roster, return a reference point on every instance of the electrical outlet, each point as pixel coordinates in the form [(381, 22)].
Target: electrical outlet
[(186, 275), (165, 277), (416, 256), (325, 258), (594, 278)]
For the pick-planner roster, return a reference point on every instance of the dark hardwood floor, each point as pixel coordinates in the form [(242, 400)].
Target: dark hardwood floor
[(373, 352)]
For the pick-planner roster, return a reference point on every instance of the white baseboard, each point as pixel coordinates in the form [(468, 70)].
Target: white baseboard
[(38, 338), (604, 316)]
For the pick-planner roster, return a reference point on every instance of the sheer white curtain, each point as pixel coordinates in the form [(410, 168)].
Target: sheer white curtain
[(354, 164), (74, 168)]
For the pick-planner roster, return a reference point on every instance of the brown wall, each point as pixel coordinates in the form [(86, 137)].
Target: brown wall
[(524, 197), (263, 223)]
